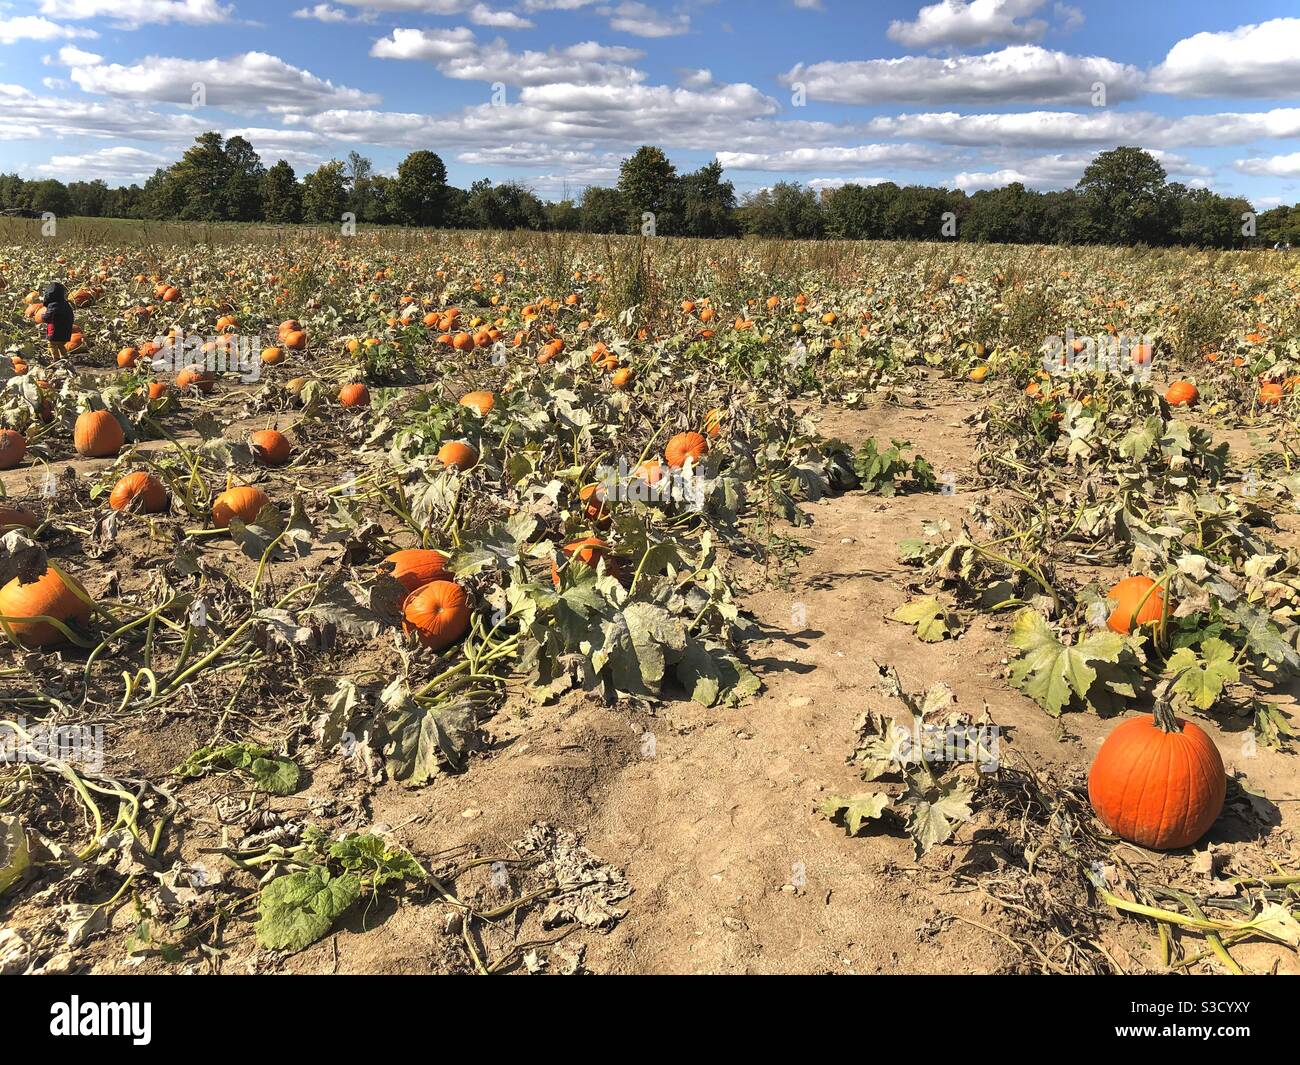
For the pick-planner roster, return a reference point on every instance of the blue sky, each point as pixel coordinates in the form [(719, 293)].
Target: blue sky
[(553, 93)]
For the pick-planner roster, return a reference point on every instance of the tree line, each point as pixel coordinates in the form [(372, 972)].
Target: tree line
[(1124, 197)]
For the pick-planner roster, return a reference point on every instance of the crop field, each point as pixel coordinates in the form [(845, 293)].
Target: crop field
[(474, 602)]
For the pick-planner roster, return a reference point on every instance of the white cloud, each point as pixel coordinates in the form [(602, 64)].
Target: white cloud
[(25, 115), (326, 13), (696, 79), (141, 12), (458, 55), (119, 163), (970, 23), (33, 28), (1017, 74), (820, 183), (1046, 172), (1100, 128), (1256, 60), (1273, 166), (482, 15), (253, 81), (832, 158), (641, 20), (425, 44), (72, 56)]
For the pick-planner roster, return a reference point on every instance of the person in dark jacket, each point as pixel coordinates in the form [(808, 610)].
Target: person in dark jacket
[(57, 318)]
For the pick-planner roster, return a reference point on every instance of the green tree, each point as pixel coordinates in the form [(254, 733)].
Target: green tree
[(199, 177), (360, 186), (1009, 215), (602, 210), (507, 206), (419, 192), (1126, 198), (785, 210), (89, 198), (648, 184), (48, 195), (1208, 220), (241, 197), (708, 203), (325, 193), (281, 194)]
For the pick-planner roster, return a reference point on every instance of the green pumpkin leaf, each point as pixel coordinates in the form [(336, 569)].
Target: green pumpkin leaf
[(1202, 677), (1051, 672)]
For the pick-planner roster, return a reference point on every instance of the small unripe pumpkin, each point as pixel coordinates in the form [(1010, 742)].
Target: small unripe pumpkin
[(142, 486), (244, 502), (98, 435)]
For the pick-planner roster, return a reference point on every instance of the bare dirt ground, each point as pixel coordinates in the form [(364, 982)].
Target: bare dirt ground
[(711, 815), (731, 868)]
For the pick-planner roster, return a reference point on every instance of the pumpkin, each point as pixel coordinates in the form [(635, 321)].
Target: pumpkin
[(98, 435), (1134, 605), (196, 377), (713, 421), (13, 446), (15, 517), (459, 454), (978, 374), (438, 614), (1270, 394), (650, 470), (463, 342), (294, 339), (244, 503), (50, 595), (354, 395), (414, 567), (270, 447), (623, 377), (272, 355), (141, 486), (1182, 393), (593, 497), (589, 551), (158, 389), (126, 358), (683, 446), (483, 402), (1158, 781)]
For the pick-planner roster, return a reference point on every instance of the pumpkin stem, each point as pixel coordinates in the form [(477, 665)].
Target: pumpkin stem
[(1166, 719)]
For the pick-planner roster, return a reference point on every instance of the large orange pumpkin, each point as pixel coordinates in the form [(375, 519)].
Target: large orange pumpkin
[(48, 596), (1158, 781), (483, 402), (13, 446), (98, 435), (196, 377), (141, 486), (438, 614), (683, 446), (589, 551), (354, 395), (415, 567), (244, 503), (270, 447), (459, 454), (1133, 605), (1182, 393)]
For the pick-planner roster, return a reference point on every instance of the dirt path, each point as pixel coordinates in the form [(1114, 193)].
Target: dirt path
[(713, 820)]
